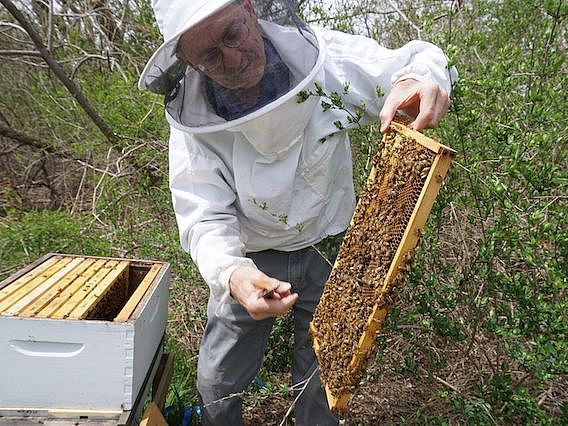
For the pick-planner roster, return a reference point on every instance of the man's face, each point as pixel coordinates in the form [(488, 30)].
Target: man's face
[(227, 47)]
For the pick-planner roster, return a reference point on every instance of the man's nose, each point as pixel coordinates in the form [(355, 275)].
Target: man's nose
[(231, 57)]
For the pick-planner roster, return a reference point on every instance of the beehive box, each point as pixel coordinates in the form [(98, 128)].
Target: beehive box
[(79, 334), (375, 255)]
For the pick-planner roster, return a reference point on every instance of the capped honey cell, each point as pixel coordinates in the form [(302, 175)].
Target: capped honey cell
[(375, 256)]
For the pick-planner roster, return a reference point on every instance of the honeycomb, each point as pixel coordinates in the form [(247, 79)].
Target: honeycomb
[(374, 258)]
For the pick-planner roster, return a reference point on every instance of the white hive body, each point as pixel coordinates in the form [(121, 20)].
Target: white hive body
[(79, 334)]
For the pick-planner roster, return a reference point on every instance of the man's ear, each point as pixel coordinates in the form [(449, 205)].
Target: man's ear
[(180, 54), (180, 57)]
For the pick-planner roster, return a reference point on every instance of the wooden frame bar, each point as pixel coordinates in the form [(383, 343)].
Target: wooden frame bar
[(24, 285), (338, 402), (138, 294)]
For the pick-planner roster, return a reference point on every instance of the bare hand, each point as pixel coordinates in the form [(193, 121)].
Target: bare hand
[(425, 101), (247, 287)]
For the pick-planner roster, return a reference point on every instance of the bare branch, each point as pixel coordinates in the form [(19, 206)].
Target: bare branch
[(23, 138), (59, 71), (83, 60), (19, 53), (33, 142), (407, 19), (11, 25), (50, 26)]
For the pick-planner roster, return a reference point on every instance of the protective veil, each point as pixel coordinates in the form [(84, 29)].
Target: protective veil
[(233, 62), (251, 167)]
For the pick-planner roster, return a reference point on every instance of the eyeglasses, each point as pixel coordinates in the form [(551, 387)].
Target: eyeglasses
[(233, 37)]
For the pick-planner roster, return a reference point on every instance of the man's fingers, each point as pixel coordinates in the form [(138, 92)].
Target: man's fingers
[(267, 307), (403, 94), (426, 111), (275, 289), (387, 113), (426, 101), (247, 286), (264, 282), (434, 104)]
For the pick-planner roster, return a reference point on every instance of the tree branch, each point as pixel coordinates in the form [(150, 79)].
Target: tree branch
[(25, 139), (19, 53), (59, 71)]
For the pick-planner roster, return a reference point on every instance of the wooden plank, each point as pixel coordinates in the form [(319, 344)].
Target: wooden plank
[(21, 290), (57, 307), (23, 280), (153, 416), (53, 421), (84, 290), (25, 270), (162, 380), (92, 294), (423, 140), (41, 302), (138, 294), (43, 287)]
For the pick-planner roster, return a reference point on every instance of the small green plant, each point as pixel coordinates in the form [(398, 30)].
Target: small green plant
[(335, 100)]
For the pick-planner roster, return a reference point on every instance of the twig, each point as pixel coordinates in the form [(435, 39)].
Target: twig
[(407, 19), (298, 397), (11, 25), (322, 255), (83, 60), (19, 53), (230, 396), (50, 26), (79, 189), (96, 189), (452, 387), (454, 214)]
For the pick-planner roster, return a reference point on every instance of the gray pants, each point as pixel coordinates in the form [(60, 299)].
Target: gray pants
[(233, 344)]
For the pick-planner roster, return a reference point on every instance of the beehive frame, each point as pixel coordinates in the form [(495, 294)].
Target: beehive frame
[(380, 293), (76, 288)]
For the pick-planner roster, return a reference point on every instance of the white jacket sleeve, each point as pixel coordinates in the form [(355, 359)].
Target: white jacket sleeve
[(203, 202), (364, 64)]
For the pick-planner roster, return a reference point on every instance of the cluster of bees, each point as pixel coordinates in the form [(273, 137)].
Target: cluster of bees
[(355, 286), (112, 302)]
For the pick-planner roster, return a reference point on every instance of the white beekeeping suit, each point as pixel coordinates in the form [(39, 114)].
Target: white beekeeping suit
[(278, 176)]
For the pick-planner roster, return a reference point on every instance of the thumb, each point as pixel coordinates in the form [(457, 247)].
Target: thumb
[(264, 282), (387, 113)]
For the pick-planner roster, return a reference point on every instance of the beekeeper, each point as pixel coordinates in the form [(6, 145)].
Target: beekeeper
[(259, 172)]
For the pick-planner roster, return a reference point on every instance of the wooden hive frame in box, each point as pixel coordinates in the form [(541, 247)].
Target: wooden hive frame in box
[(75, 287), (407, 173)]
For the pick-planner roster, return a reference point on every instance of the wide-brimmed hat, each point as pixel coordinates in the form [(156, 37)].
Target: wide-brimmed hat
[(174, 17)]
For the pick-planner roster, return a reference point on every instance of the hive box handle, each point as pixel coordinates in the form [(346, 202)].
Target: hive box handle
[(46, 349)]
